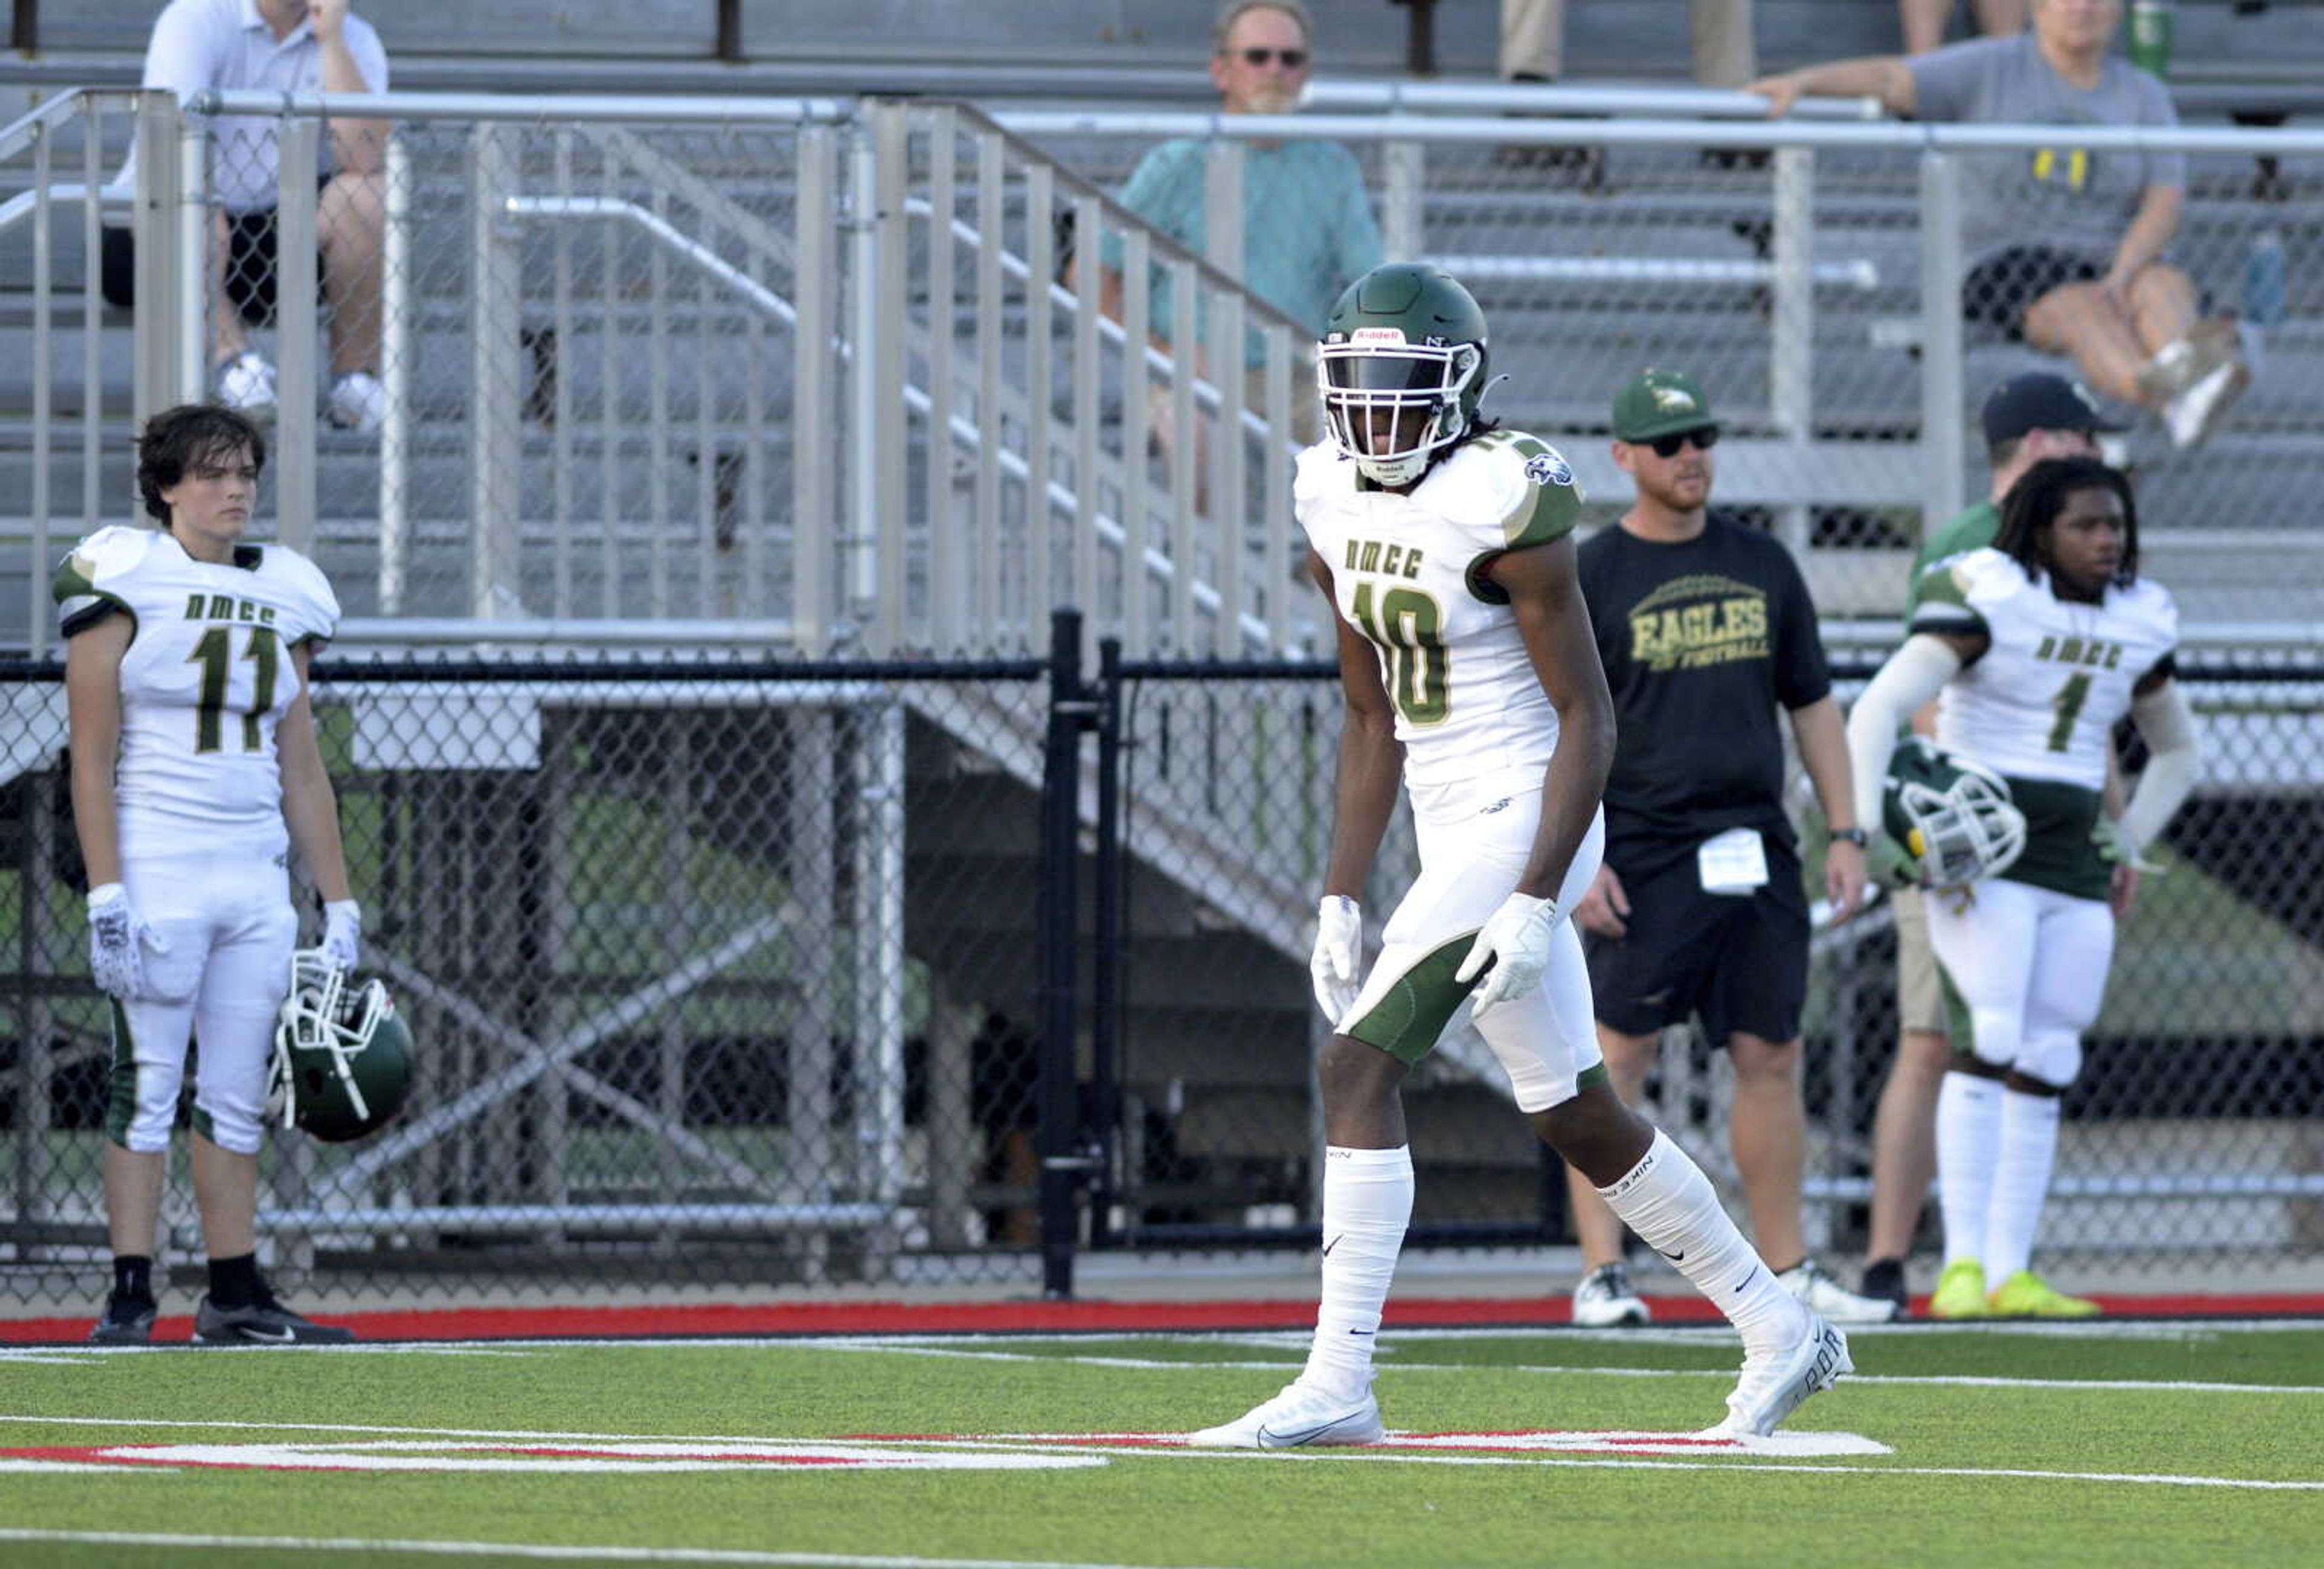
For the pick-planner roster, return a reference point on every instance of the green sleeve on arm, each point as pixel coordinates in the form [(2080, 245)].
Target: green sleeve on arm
[(81, 604), (1940, 605)]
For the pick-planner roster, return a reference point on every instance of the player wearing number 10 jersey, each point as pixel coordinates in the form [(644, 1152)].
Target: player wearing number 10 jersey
[(1445, 548), (2035, 649), (195, 770)]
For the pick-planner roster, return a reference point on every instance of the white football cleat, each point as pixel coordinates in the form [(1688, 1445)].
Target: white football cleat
[(1606, 1298), (1814, 1285), (1775, 1383), (1300, 1415)]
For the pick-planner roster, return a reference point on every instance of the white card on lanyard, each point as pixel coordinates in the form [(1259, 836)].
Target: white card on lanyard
[(1735, 862)]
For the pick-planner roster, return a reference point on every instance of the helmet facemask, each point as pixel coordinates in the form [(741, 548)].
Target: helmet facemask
[(1390, 404), (325, 1028), (1967, 829)]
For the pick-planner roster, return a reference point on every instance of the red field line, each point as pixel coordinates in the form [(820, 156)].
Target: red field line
[(467, 1323)]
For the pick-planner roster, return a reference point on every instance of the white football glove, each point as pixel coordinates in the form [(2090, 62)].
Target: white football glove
[(1517, 940), (1337, 966), (118, 938), (342, 933)]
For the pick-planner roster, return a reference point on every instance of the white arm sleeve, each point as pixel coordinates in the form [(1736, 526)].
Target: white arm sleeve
[(2174, 743), (1914, 675)]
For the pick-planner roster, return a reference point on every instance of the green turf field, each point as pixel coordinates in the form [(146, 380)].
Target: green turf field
[(2170, 1444)]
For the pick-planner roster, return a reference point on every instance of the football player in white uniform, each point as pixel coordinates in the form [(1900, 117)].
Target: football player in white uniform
[(195, 770), (2034, 647), (1445, 549)]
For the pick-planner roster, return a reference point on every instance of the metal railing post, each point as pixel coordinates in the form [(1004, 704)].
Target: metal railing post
[(1792, 369), (298, 161), (1222, 364), (884, 353), (36, 621), (158, 228), (495, 378), (396, 305), (1942, 370), (1403, 227), (814, 524), (1070, 711)]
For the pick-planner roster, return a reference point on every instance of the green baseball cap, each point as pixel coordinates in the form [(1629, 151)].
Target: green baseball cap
[(1660, 403)]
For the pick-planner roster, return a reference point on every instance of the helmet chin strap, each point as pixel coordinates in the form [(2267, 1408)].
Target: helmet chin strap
[(1484, 391)]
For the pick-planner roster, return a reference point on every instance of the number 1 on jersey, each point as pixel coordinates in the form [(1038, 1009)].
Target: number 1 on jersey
[(2068, 706), (214, 654), (1409, 629)]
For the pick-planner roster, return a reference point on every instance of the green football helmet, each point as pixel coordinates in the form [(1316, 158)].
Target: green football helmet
[(1400, 369), (342, 1059), (1951, 812)]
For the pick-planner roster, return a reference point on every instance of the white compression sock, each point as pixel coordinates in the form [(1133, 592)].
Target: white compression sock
[(1968, 1141), (2020, 1181), (1366, 1203), (1666, 1199)]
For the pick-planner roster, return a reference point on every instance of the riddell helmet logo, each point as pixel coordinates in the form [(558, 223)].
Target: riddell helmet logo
[(1377, 334)]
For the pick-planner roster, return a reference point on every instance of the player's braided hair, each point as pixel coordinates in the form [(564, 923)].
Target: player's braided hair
[(188, 437), (2034, 502)]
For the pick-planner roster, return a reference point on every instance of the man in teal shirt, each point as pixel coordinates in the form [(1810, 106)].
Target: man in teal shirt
[(1307, 225), (2026, 418)]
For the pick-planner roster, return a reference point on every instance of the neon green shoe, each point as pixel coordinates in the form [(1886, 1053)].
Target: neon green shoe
[(1960, 1291), (2027, 1294)]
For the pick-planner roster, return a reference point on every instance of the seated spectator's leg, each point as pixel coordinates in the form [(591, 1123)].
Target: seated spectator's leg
[(1923, 23), (227, 339), (1532, 40), (2001, 18), (1770, 1136), (1628, 1058), (1726, 54), (2082, 320), (351, 227), (2163, 303)]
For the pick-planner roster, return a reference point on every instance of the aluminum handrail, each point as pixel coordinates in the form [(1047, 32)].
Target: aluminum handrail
[(533, 108), (19, 206)]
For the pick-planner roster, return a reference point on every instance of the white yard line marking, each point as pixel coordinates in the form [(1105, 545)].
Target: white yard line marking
[(590, 1554)]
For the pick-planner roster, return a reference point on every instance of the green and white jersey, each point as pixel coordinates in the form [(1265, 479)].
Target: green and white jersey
[(2041, 705), (1409, 575), (206, 678)]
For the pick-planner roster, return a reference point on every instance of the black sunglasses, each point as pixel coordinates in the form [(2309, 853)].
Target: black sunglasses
[(1292, 59), (1704, 440)]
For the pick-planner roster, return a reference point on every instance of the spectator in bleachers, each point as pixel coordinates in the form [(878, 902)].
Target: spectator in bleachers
[(2065, 246), (1308, 230), (1533, 41), (290, 46), (1706, 630), (1925, 21)]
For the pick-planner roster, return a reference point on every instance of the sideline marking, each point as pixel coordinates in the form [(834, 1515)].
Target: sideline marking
[(561, 1455), (607, 1554), (1506, 1441)]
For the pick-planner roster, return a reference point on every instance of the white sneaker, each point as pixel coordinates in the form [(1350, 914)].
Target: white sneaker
[(245, 383), (1605, 1298), (2195, 413), (358, 402), (1301, 1415), (1808, 1281), (1775, 1383)]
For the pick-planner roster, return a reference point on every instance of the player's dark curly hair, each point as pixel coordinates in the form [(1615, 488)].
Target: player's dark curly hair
[(2034, 502), (191, 436)]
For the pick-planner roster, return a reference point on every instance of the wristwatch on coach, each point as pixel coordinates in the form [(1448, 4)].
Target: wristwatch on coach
[(1850, 836)]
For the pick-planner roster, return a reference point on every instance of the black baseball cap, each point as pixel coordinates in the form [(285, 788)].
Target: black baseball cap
[(2039, 401)]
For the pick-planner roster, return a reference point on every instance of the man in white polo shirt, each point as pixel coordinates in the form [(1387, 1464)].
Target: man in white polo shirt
[(292, 46)]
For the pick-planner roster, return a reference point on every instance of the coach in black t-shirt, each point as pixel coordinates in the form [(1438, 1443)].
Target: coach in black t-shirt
[(1705, 628)]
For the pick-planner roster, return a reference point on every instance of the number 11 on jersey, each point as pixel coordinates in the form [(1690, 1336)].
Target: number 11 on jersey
[(214, 653)]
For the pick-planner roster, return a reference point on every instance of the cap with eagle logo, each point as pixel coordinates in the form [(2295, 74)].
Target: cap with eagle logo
[(1658, 402)]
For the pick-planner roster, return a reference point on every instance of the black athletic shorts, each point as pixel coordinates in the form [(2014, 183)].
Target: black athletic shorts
[(1998, 289), (249, 266), (1739, 960)]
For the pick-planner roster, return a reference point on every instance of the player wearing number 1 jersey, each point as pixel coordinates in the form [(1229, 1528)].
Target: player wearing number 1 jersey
[(195, 772), (2034, 648), (1445, 548)]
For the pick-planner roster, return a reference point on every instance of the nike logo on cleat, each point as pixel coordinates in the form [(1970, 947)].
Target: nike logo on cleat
[(273, 1337), (1677, 1258)]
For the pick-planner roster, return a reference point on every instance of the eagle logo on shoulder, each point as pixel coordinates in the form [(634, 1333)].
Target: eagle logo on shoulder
[(1548, 468)]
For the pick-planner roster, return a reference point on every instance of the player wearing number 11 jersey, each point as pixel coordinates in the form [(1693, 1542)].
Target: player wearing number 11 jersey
[(1445, 548), (195, 770), (2035, 649)]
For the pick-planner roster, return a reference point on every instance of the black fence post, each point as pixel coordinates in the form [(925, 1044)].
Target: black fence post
[(1072, 710), (1105, 980), (24, 27), (730, 32)]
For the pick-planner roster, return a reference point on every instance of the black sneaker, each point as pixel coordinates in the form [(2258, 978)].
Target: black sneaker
[(1885, 1278), (126, 1321), (265, 1321)]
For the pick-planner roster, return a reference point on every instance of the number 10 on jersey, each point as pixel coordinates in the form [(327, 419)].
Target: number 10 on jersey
[(1408, 628)]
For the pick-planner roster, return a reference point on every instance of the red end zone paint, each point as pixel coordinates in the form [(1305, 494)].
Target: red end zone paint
[(473, 1324)]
